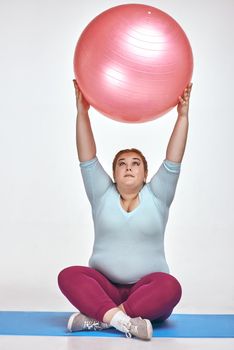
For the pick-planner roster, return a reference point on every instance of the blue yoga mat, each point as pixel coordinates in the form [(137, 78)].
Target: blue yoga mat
[(177, 326)]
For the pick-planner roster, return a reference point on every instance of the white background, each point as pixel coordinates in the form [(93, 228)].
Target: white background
[(45, 218)]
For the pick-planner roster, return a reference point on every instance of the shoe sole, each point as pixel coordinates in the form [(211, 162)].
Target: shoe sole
[(149, 329), (70, 321)]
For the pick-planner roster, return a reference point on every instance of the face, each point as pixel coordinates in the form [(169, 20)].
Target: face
[(129, 170)]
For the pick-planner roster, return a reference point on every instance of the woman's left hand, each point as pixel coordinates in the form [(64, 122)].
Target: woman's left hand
[(183, 104)]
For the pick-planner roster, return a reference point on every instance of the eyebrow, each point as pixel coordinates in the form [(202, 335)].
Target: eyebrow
[(132, 158)]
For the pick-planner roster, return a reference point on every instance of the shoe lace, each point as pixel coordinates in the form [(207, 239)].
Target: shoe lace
[(92, 325), (126, 329), (130, 328)]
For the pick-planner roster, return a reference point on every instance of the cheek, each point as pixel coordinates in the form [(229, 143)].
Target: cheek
[(140, 172), (118, 172)]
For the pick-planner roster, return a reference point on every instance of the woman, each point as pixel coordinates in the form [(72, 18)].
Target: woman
[(127, 283)]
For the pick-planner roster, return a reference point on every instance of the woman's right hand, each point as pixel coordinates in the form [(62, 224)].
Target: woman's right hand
[(81, 104)]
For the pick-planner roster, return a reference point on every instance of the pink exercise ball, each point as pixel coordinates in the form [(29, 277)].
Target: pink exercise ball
[(132, 62)]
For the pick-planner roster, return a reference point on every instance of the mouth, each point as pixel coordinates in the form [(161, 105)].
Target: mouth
[(128, 175)]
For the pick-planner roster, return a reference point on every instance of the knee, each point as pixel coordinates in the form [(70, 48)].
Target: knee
[(63, 276), (67, 275), (170, 286), (173, 288)]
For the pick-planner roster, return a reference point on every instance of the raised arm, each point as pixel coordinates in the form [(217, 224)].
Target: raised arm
[(177, 142), (85, 142)]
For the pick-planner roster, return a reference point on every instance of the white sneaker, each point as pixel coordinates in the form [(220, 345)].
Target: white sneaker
[(138, 327), (80, 322)]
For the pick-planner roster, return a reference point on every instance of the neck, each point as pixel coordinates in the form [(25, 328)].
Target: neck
[(128, 194), (127, 197)]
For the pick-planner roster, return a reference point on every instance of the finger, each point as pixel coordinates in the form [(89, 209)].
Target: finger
[(76, 85), (181, 100), (185, 92), (190, 87), (185, 95), (80, 97)]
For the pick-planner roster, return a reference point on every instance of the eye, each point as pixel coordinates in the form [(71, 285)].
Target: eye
[(121, 163), (136, 163)]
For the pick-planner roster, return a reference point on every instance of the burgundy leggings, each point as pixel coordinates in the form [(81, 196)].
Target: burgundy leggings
[(153, 297)]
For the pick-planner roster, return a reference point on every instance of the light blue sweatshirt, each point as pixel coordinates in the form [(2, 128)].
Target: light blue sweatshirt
[(129, 245)]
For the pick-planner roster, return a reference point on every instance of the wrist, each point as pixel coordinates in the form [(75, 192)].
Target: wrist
[(183, 116), (82, 113)]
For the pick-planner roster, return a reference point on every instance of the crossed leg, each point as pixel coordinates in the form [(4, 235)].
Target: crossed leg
[(153, 297)]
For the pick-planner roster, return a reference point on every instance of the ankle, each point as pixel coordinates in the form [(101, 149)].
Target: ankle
[(120, 320), (121, 307), (110, 314)]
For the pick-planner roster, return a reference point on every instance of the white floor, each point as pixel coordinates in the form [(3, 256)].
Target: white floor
[(83, 343)]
